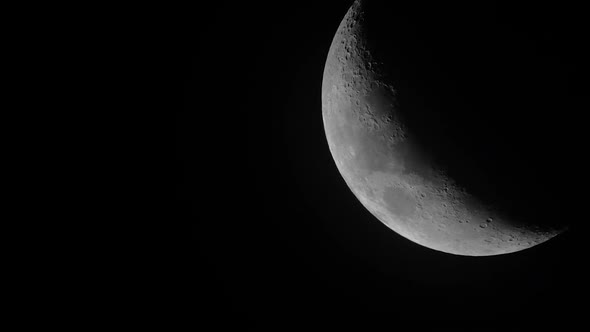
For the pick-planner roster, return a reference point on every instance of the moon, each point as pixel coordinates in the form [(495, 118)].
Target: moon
[(390, 142)]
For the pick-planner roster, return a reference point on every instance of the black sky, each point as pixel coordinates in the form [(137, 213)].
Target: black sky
[(280, 240)]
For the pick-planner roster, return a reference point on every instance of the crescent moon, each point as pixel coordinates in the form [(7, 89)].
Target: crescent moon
[(382, 164)]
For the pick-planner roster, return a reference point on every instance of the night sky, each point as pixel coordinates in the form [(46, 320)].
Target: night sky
[(279, 240)]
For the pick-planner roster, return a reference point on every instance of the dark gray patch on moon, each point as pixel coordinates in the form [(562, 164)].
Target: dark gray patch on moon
[(399, 202)]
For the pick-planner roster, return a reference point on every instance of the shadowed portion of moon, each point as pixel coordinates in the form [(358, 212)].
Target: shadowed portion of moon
[(443, 138)]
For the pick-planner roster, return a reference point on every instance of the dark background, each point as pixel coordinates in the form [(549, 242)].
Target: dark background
[(278, 239)]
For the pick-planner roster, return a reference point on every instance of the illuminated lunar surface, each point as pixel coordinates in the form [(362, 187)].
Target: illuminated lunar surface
[(389, 173)]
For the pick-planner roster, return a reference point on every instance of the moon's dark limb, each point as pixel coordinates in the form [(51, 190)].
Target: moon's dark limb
[(439, 177)]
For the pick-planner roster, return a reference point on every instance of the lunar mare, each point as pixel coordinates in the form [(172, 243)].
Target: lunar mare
[(387, 171)]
